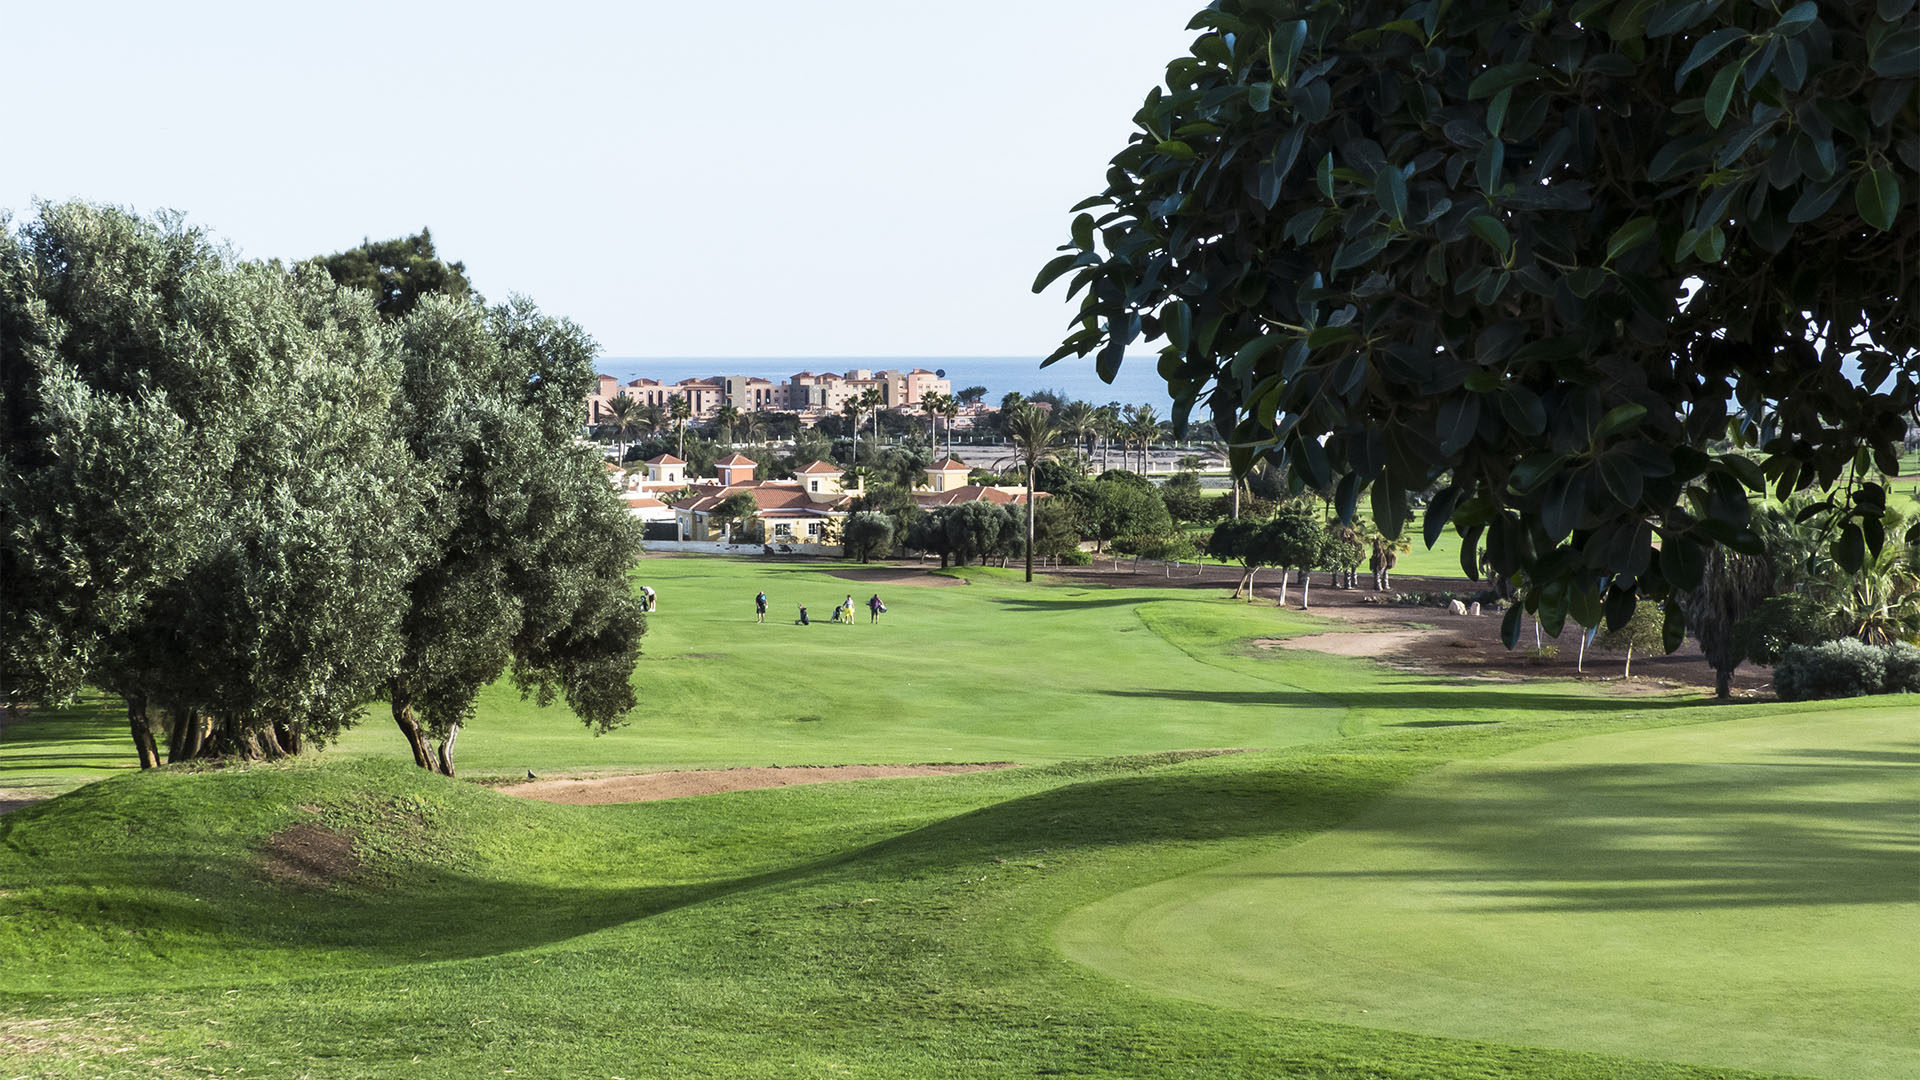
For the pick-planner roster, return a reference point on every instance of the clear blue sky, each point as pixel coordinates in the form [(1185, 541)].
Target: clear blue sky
[(880, 177)]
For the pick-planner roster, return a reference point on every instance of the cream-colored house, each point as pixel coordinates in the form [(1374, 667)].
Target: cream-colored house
[(805, 510)]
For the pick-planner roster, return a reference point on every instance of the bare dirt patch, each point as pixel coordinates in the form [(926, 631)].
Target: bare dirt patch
[(7, 804), (309, 855), (1366, 643), (1453, 646), (649, 787)]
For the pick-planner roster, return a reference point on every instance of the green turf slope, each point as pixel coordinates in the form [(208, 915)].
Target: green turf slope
[(1739, 893)]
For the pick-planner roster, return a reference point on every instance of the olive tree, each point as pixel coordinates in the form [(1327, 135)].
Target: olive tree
[(1552, 253)]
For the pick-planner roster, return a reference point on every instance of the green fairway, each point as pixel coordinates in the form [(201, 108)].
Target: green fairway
[(351, 916), (1738, 893), (996, 670)]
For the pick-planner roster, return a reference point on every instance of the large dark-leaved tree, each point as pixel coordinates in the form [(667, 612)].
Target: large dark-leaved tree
[(398, 272), (1538, 257)]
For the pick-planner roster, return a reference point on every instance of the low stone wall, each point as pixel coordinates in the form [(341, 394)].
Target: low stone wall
[(715, 547)]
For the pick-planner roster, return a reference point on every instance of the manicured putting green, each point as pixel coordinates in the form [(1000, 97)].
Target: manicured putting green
[(1739, 893)]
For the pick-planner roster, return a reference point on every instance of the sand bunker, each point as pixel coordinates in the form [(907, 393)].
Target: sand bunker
[(1378, 643), (647, 787)]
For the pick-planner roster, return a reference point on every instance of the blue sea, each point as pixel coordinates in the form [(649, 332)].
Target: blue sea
[(1136, 384)]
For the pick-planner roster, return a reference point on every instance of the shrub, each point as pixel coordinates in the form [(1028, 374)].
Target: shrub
[(1903, 669), (1836, 669), (1074, 557), (868, 534), (1779, 623)]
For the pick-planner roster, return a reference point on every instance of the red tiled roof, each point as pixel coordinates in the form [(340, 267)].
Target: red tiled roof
[(769, 495), (641, 501), (736, 459), (972, 493), (665, 459), (818, 467), (949, 464)]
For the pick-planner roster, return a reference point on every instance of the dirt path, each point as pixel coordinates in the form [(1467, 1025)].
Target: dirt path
[(648, 787), (16, 804)]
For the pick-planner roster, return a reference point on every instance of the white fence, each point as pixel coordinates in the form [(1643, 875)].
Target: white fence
[(716, 547)]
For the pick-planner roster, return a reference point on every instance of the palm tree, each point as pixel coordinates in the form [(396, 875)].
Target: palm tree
[(679, 410), (932, 403), (1034, 438), (950, 411), (752, 425), (622, 417), (651, 419), (1077, 419), (851, 410), (1144, 425), (1107, 425), (870, 399), (725, 417)]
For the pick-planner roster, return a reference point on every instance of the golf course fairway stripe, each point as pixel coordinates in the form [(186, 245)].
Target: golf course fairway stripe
[(1742, 893)]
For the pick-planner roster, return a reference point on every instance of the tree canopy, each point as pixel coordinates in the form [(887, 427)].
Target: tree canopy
[(1536, 258), (238, 497), (398, 272)]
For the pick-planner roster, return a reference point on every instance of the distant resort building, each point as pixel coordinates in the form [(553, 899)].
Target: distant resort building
[(807, 394), (806, 509)]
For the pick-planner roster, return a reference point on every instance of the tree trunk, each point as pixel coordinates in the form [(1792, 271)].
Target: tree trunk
[(193, 735), (1627, 672), (410, 728), (1306, 588), (143, 743), (1029, 523), (288, 737), (1723, 683), (1235, 481), (446, 749), (1285, 573)]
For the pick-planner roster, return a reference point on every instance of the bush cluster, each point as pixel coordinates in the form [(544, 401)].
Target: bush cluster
[(1846, 668)]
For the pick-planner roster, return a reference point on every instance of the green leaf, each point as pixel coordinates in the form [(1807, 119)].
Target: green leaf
[(1630, 236), (1682, 562), (1850, 548), (1797, 18), (1488, 228), (1878, 197), (1250, 354), (1816, 200), (1459, 419), (1673, 626), (1052, 271), (1324, 336), (1622, 478), (1439, 513), (1083, 232), (1497, 111), (1174, 148), (1323, 176), (1390, 190), (1618, 419), (1176, 320), (1899, 55), (1706, 49), (1260, 96), (1510, 626), (1586, 281), (1720, 92), (1500, 77)]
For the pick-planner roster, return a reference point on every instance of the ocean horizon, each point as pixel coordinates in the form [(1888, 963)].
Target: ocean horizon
[(1137, 383)]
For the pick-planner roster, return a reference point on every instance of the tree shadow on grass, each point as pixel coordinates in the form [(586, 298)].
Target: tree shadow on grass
[(232, 915), (1655, 836), (1418, 696), (1025, 603), (90, 735)]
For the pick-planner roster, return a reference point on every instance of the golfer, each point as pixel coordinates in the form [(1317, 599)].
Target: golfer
[(760, 607)]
